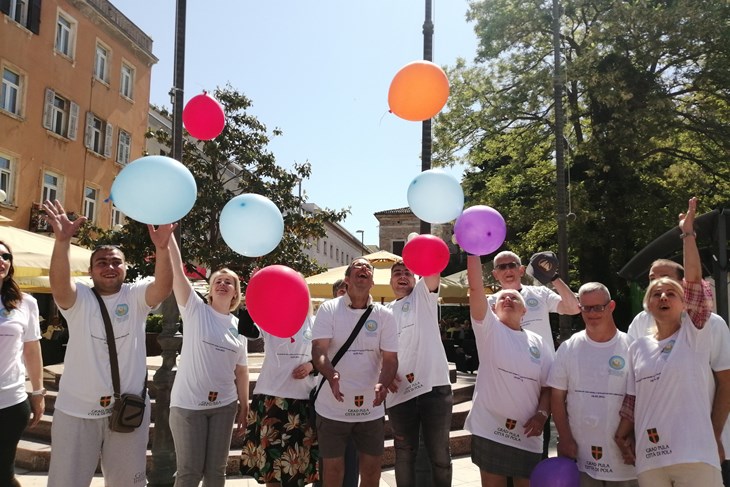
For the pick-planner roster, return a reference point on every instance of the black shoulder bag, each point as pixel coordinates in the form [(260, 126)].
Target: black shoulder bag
[(128, 409), (315, 391)]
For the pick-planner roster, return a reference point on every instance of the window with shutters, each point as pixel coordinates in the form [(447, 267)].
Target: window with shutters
[(101, 62), (124, 147), (11, 93), (51, 187), (118, 218), (19, 11), (126, 84), (65, 34), (98, 137), (60, 115), (8, 166), (90, 203), (26, 13)]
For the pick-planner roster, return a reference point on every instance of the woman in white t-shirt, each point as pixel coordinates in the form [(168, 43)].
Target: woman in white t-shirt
[(19, 343), (211, 385), (280, 445), (511, 400)]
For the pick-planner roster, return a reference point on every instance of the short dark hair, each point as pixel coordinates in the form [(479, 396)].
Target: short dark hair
[(105, 247), (337, 285), (669, 263)]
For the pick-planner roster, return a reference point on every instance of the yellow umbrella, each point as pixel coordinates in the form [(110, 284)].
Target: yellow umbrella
[(41, 284), (32, 253)]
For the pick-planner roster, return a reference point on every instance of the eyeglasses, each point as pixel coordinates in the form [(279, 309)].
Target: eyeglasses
[(598, 308), (508, 265), (6, 256)]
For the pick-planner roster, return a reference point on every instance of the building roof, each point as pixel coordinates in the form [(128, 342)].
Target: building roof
[(406, 210)]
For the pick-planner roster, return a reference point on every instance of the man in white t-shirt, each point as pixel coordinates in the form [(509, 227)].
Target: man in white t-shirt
[(80, 432), (588, 380), (352, 405), (540, 301), (421, 399), (643, 325)]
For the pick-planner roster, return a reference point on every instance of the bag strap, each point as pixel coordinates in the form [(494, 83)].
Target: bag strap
[(346, 345), (112, 344)]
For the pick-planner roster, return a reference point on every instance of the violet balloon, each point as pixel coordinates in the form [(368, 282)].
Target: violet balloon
[(277, 298), (555, 472), (480, 230)]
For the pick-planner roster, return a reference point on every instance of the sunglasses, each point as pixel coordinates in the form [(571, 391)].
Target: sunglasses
[(598, 308), (508, 265), (6, 256)]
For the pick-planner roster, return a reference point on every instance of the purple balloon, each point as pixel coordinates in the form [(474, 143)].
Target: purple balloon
[(555, 472), (480, 230)]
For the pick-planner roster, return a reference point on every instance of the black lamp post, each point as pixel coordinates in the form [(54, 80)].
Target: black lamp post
[(425, 227)]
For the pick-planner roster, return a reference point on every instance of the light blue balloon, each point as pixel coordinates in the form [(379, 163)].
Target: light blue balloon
[(155, 190), (435, 196), (251, 225)]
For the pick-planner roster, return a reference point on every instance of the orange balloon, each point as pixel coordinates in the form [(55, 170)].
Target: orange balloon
[(418, 91)]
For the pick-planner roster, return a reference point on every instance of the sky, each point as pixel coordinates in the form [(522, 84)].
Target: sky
[(320, 71)]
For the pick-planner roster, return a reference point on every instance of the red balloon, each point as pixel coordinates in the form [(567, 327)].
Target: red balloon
[(426, 255), (418, 91), (277, 299), (203, 117)]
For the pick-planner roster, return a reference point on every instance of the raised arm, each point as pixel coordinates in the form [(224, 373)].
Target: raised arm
[(692, 265), (181, 286), (433, 282), (162, 285), (477, 300), (59, 276), (569, 304)]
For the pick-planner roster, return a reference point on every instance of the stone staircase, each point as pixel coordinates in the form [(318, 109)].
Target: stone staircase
[(34, 449)]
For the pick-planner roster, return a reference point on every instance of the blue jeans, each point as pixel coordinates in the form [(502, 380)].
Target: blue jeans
[(430, 413)]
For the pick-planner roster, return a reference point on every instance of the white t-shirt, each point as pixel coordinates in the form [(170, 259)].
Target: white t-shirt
[(513, 368), (86, 389), (643, 324), (422, 363), (594, 375), (540, 302), (359, 367), (283, 356), (210, 352), (670, 379), (17, 327)]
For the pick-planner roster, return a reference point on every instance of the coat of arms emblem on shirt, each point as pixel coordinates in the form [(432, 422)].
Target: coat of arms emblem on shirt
[(411, 377), (212, 396), (653, 435), (597, 452), (510, 424), (359, 400), (105, 401)]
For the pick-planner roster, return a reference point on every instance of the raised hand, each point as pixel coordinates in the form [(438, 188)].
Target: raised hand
[(63, 228), (687, 220), (161, 235)]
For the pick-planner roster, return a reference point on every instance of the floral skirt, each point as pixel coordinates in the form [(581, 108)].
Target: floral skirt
[(280, 445)]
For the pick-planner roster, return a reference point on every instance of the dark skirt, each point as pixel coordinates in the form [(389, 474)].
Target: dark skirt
[(499, 459), (280, 445)]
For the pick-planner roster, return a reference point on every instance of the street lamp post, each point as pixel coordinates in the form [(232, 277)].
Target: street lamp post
[(425, 227), (362, 241)]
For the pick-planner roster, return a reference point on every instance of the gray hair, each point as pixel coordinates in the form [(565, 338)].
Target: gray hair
[(507, 253), (593, 287)]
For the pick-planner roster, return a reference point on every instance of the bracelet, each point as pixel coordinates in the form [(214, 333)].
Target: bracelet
[(543, 412), (39, 392), (687, 234)]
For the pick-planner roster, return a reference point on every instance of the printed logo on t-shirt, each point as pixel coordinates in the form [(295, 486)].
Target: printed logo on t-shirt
[(653, 435), (667, 349), (121, 310), (535, 352), (532, 302), (411, 377), (359, 400), (212, 396), (233, 331), (616, 362), (307, 334), (510, 424), (105, 401), (597, 452), (5, 313), (406, 307), (371, 326)]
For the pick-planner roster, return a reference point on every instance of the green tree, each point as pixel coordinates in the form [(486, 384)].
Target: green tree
[(647, 85), (236, 162)]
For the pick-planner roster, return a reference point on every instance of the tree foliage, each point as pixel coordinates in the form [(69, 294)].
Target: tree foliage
[(236, 162), (646, 92)]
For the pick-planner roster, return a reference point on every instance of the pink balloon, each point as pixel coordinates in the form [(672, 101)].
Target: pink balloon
[(277, 299), (203, 117), (480, 230), (426, 255)]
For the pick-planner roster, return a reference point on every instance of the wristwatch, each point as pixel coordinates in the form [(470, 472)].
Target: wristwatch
[(39, 392)]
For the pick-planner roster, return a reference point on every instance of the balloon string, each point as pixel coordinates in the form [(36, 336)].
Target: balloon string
[(383, 116)]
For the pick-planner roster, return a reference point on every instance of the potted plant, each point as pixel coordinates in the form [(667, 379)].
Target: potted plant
[(153, 328)]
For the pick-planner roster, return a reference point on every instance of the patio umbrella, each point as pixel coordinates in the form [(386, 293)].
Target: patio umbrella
[(32, 253), (42, 284)]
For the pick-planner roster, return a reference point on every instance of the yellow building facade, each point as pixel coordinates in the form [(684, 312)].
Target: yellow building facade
[(73, 106)]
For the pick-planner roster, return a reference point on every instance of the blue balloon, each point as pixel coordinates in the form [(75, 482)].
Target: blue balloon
[(435, 196), (251, 225), (155, 190)]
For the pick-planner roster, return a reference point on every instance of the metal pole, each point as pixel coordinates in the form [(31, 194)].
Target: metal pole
[(565, 320), (164, 461), (425, 227)]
